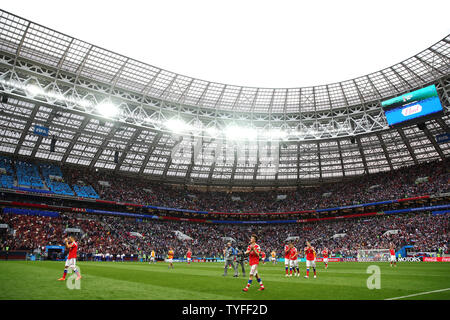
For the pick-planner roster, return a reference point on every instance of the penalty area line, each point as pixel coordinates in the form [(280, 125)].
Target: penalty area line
[(418, 294)]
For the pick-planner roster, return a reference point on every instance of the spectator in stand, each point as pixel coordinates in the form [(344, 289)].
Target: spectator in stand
[(426, 232), (395, 184)]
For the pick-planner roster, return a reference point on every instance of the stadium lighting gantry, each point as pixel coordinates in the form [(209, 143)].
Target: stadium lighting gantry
[(107, 109), (318, 133)]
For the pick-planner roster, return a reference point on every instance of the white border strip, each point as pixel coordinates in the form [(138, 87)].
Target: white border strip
[(418, 294)]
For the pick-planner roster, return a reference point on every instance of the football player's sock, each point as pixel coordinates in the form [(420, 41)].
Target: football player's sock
[(314, 271), (286, 270), (307, 272), (290, 270), (249, 283), (298, 271), (260, 282), (65, 273)]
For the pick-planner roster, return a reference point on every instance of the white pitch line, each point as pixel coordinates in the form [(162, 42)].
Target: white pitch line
[(418, 294)]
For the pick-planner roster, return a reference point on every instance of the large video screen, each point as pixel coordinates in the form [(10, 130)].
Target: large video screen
[(412, 106)]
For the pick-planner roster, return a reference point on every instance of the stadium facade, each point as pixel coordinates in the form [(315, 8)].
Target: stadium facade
[(107, 111)]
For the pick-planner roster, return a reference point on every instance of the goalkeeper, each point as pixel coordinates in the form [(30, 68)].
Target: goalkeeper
[(229, 254)]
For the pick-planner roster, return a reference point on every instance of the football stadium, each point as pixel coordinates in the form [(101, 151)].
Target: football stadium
[(120, 180)]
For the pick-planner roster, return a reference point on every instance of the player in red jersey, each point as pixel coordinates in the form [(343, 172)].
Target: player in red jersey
[(293, 261), (392, 253), (325, 254), (254, 252), (287, 257), (71, 258), (263, 257), (189, 256), (310, 259)]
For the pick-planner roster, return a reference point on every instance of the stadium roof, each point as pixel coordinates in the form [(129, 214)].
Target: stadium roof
[(96, 102)]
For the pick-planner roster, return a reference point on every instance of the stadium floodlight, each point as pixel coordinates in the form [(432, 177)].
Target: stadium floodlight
[(84, 103), (275, 134), (34, 90), (107, 109), (212, 132), (177, 125)]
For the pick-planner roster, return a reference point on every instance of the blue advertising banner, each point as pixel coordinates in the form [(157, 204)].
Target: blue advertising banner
[(40, 130), (443, 138)]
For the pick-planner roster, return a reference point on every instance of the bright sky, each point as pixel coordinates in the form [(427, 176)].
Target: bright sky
[(257, 43)]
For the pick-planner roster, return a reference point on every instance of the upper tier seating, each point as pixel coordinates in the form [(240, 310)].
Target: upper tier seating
[(28, 175), (85, 191), (54, 179), (6, 173)]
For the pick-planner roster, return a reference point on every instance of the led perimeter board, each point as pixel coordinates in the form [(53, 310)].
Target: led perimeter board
[(413, 107)]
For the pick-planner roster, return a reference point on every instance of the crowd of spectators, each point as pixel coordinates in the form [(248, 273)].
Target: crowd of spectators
[(106, 234), (402, 183), (112, 235), (422, 179)]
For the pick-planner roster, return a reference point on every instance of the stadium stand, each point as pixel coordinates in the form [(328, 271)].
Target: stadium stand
[(28, 175), (326, 150), (54, 179), (6, 173), (426, 232), (419, 180), (397, 184), (6, 165), (85, 191)]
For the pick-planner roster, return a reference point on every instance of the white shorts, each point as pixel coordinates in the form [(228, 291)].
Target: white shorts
[(71, 262), (254, 270), (170, 260), (393, 259), (152, 259), (287, 262), (325, 260), (272, 259), (293, 263), (310, 263)]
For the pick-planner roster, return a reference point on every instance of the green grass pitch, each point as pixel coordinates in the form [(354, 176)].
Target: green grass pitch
[(204, 281)]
